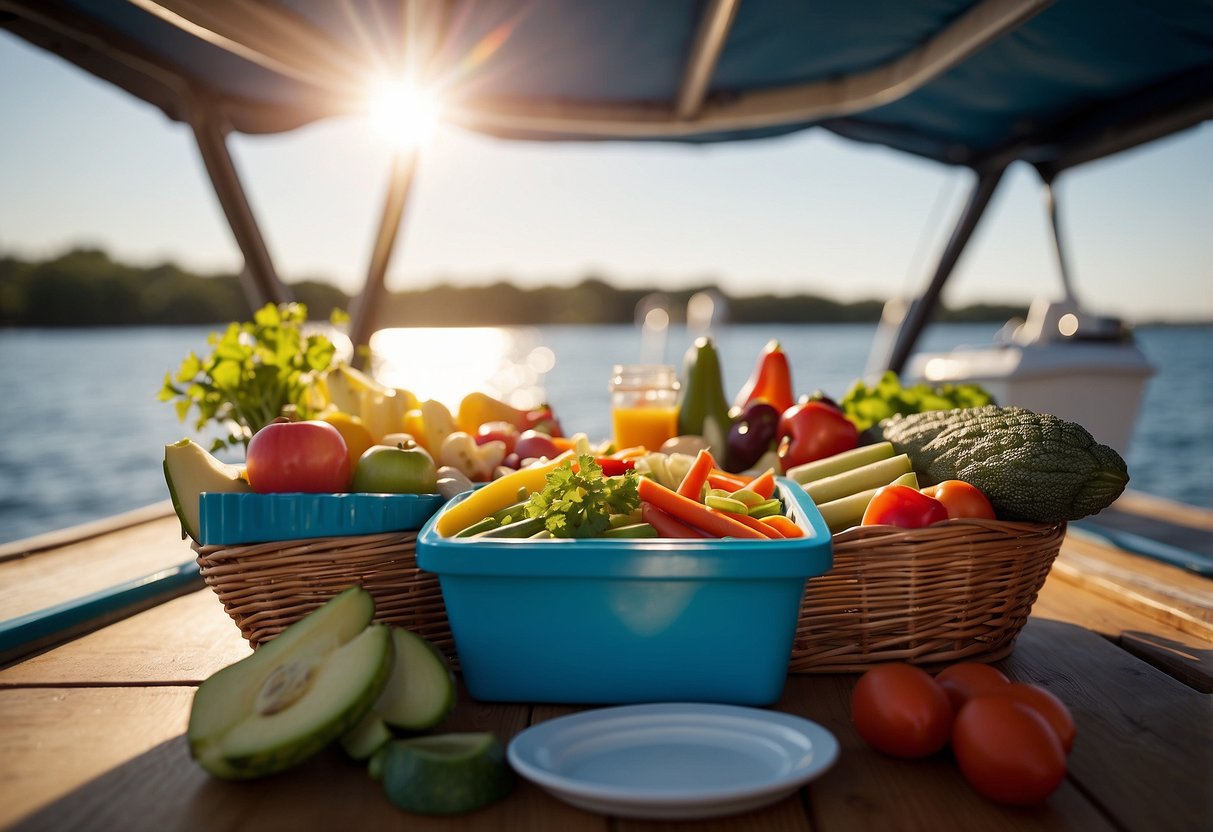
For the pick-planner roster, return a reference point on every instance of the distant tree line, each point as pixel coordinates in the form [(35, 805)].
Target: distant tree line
[(85, 287)]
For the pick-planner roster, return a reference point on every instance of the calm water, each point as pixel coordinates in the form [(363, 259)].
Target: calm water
[(82, 434)]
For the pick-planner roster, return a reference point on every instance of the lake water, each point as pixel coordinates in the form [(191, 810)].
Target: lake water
[(82, 435)]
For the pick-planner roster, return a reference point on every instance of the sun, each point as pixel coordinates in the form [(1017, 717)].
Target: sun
[(403, 113)]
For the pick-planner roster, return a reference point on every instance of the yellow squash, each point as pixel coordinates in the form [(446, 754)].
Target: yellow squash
[(496, 495)]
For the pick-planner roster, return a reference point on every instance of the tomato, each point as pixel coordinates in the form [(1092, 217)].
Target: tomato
[(1007, 751), (901, 505), (813, 430), (961, 499), (306, 456), (961, 682), (1048, 706), (900, 710)]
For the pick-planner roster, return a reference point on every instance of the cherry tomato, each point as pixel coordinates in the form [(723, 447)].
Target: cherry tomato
[(813, 430), (1048, 706), (308, 456), (961, 499), (961, 682), (1007, 751), (901, 505), (900, 710)]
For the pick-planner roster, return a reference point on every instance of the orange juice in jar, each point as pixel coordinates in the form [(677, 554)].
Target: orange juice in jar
[(644, 405)]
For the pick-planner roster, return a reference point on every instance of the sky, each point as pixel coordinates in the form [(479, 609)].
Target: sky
[(84, 164)]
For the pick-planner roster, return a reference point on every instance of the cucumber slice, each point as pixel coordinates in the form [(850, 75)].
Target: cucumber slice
[(421, 689), (445, 774), (295, 694), (839, 463), (368, 736), (872, 475)]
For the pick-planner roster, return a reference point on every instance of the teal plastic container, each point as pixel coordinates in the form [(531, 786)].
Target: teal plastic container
[(230, 519), (626, 621)]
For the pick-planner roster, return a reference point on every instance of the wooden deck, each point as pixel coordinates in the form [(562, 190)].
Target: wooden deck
[(91, 731)]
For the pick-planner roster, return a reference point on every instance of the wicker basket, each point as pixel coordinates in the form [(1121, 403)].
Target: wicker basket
[(959, 590), (265, 587)]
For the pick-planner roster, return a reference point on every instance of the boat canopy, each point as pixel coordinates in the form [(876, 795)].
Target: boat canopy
[(1053, 83)]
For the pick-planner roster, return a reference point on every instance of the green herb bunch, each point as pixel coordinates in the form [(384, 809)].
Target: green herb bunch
[(256, 371), (580, 503)]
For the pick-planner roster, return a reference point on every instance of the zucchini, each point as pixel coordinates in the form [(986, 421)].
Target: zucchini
[(1033, 466)]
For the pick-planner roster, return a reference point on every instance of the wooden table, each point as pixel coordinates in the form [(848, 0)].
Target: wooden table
[(91, 732)]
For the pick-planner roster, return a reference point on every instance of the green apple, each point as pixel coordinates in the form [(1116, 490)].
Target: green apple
[(384, 469)]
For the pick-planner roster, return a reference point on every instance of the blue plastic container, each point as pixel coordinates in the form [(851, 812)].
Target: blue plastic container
[(234, 518), (624, 621)]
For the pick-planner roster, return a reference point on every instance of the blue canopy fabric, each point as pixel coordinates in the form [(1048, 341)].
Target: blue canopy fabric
[(1075, 80)]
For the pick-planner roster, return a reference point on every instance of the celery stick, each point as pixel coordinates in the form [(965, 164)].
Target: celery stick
[(872, 475), (840, 463), (848, 511)]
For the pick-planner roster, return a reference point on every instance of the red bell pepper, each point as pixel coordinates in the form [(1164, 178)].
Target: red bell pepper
[(771, 380)]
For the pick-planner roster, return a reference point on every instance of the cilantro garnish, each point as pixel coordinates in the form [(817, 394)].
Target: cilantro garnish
[(580, 503)]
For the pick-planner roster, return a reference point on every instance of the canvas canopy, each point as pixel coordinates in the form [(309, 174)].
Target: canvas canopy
[(979, 84)]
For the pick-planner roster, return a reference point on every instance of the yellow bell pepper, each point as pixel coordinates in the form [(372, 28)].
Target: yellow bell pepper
[(496, 495), (478, 408)]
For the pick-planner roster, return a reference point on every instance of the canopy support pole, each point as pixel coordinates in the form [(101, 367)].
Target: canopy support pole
[(362, 314), (258, 279), (921, 310), (1063, 269)]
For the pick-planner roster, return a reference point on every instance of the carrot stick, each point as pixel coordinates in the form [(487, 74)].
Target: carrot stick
[(692, 512), (697, 475), (763, 484), (668, 526), (729, 482), (784, 525), (765, 529)]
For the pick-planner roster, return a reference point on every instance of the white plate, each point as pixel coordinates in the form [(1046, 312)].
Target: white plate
[(673, 760)]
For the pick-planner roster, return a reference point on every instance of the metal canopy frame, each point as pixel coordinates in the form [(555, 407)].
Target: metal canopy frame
[(276, 39)]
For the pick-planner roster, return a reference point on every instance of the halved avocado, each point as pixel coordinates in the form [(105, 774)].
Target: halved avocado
[(189, 470), (295, 694), (445, 774)]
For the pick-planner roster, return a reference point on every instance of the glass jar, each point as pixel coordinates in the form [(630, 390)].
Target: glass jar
[(644, 405)]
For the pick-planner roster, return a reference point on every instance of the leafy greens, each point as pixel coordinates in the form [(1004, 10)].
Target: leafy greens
[(255, 371), (867, 405)]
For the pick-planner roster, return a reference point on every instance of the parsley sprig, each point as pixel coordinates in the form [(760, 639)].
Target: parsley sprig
[(580, 503), (255, 370)]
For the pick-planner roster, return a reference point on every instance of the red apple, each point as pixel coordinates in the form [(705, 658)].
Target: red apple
[(498, 431), (309, 457), (532, 444)]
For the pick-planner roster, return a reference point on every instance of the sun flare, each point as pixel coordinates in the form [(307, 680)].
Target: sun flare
[(404, 113)]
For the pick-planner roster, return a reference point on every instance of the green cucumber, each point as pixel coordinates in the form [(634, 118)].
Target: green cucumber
[(848, 511), (726, 504), (633, 531), (293, 696), (841, 462), (872, 475), (519, 528), (479, 527), (445, 774)]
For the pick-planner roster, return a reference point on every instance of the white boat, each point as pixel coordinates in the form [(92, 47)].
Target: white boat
[(1061, 360)]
